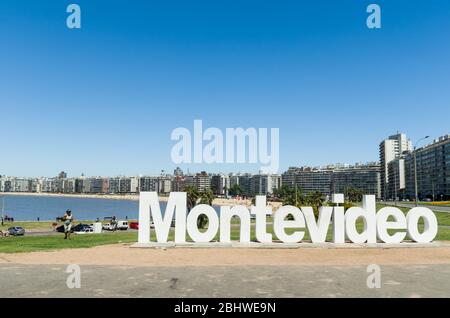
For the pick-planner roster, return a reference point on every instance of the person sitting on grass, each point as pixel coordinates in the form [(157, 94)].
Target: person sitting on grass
[(67, 219)]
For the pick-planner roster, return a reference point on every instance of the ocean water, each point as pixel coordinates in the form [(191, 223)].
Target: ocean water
[(48, 208)]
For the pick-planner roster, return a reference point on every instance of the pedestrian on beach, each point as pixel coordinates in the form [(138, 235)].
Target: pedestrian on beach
[(68, 220)]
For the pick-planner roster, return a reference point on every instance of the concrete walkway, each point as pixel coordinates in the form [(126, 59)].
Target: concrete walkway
[(257, 281)]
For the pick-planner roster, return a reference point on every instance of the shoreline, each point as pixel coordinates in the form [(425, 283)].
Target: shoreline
[(129, 197), (133, 197)]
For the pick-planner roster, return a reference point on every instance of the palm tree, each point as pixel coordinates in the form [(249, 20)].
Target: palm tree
[(192, 197), (294, 197), (316, 200), (205, 197), (235, 190), (353, 194)]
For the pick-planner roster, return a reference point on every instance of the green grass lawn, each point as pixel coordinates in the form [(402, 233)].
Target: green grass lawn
[(55, 242), (29, 226), (41, 226), (52, 242), (443, 218), (436, 203)]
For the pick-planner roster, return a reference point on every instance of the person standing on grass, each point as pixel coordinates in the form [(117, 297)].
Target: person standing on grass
[(114, 223), (68, 220)]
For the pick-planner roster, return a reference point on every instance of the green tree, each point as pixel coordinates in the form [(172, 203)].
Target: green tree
[(206, 197), (194, 197), (353, 194), (235, 190), (315, 199), (291, 196)]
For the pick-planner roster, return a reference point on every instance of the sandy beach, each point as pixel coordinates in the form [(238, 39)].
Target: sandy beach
[(134, 197)]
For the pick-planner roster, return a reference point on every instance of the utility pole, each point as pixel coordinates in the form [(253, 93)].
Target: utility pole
[(395, 188), (3, 209), (296, 194)]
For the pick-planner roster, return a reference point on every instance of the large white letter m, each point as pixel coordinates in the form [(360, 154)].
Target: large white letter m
[(149, 208)]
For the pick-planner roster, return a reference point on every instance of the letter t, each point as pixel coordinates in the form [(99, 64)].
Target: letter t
[(260, 210)]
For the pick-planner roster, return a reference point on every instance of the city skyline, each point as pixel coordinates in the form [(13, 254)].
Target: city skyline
[(104, 99), (394, 176), (206, 167), (164, 172)]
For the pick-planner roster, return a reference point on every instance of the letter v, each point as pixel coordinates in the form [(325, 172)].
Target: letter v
[(318, 231)]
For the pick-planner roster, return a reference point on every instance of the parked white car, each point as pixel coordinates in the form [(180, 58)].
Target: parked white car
[(84, 229), (122, 225), (107, 227)]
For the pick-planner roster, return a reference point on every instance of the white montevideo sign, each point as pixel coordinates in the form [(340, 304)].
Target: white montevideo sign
[(377, 225)]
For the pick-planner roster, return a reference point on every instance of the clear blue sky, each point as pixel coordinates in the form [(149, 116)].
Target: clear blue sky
[(103, 100)]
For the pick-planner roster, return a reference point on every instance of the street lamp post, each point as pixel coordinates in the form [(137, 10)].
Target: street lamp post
[(415, 169), (395, 187), (3, 210)]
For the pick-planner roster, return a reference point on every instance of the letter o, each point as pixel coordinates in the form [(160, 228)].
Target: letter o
[(383, 225), (213, 223), (430, 225)]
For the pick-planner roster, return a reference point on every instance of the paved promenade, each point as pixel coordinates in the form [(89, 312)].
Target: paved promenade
[(121, 271)]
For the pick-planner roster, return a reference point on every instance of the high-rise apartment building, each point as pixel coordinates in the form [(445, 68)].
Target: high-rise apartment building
[(390, 149), (308, 179), (396, 179), (243, 181), (220, 184), (433, 171), (165, 184), (364, 177), (335, 178), (149, 184), (264, 184), (202, 181)]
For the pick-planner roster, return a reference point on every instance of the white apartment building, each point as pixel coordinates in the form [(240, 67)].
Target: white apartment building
[(396, 179), (220, 184), (263, 184), (391, 149), (165, 185), (134, 184)]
